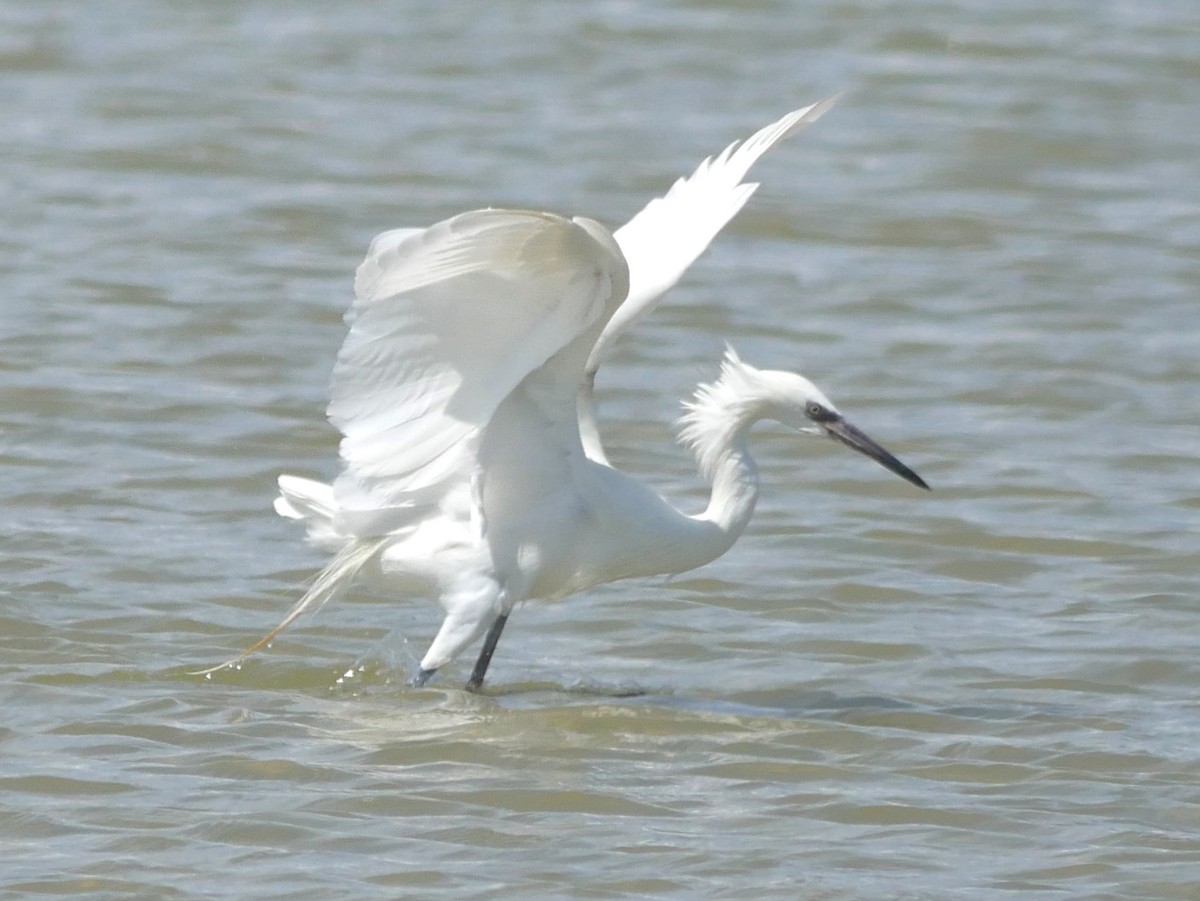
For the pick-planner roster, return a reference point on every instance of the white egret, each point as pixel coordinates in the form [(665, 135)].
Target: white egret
[(473, 469)]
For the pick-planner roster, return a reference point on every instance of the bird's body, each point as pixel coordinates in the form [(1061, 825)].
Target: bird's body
[(473, 469)]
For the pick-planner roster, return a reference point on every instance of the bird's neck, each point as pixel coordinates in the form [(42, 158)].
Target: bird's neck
[(734, 477), (715, 428)]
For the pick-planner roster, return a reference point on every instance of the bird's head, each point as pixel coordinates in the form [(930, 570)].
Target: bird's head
[(788, 398)]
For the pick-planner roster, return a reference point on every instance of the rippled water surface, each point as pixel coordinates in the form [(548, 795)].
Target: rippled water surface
[(988, 254)]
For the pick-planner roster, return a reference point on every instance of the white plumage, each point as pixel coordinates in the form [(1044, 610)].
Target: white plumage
[(473, 471)]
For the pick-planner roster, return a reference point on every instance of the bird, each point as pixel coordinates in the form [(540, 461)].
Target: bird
[(473, 471)]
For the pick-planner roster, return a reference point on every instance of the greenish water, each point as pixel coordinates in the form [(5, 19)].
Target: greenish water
[(988, 253)]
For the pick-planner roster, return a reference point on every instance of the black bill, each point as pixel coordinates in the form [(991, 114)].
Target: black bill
[(840, 430)]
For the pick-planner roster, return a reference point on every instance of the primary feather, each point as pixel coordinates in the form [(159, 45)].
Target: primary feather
[(671, 232)]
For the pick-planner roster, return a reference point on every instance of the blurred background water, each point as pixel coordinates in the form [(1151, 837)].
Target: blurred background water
[(988, 254)]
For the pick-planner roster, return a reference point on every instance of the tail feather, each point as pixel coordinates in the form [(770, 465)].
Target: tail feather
[(332, 581), (313, 504)]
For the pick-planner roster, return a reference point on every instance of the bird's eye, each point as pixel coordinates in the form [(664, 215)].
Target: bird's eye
[(815, 410)]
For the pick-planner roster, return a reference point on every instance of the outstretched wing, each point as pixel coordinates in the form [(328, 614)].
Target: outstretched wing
[(667, 236), (447, 321)]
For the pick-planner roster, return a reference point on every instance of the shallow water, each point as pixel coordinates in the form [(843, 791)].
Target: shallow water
[(987, 254)]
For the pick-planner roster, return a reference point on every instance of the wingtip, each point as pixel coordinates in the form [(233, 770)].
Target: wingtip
[(815, 111), (789, 125)]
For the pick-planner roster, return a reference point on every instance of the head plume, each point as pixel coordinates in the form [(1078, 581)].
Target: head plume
[(718, 409)]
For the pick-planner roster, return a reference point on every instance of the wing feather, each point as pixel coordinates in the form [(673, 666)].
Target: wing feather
[(671, 232), (447, 321)]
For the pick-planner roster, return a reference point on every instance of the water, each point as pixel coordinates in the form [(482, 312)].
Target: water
[(988, 254)]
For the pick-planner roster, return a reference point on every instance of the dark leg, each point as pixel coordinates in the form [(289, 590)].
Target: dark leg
[(485, 655)]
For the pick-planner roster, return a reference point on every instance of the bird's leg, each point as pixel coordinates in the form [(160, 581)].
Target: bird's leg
[(485, 655)]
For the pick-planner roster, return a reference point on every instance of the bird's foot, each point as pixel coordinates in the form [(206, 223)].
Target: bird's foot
[(473, 684)]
